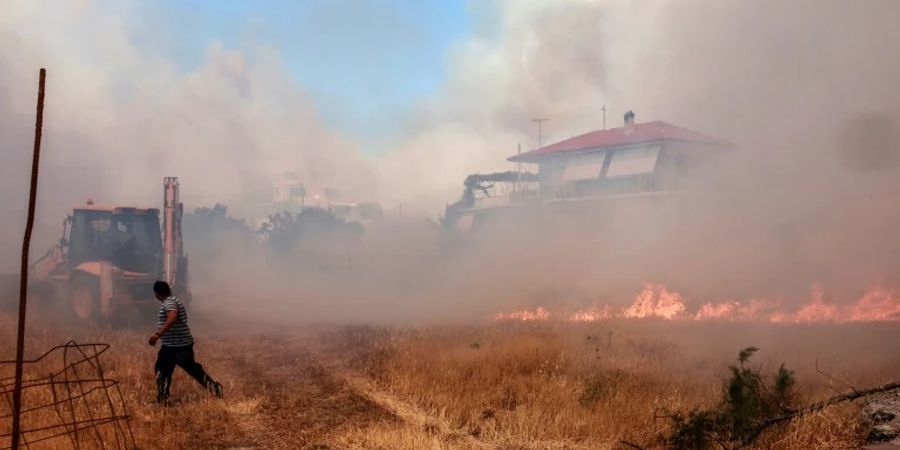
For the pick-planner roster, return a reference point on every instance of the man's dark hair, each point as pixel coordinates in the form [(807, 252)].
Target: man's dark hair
[(162, 289)]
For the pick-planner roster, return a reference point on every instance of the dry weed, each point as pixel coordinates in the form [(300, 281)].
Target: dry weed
[(498, 386)]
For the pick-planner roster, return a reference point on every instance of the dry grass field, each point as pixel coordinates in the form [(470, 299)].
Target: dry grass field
[(492, 386)]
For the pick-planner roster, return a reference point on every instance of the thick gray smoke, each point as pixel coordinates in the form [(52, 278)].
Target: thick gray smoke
[(119, 119), (806, 90)]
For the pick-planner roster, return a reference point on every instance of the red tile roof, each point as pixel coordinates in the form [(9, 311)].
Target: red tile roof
[(640, 132)]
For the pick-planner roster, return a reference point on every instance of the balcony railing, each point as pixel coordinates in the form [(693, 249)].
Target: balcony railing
[(608, 186), (572, 190), (504, 194)]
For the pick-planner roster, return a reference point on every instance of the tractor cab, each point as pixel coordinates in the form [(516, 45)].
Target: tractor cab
[(128, 238)]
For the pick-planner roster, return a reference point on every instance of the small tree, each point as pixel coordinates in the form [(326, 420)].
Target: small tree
[(483, 183), (209, 231), (749, 400), (285, 231)]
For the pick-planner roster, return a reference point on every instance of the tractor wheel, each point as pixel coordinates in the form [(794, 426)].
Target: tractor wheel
[(84, 298)]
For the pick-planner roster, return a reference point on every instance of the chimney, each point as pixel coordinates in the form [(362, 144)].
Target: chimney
[(629, 120)]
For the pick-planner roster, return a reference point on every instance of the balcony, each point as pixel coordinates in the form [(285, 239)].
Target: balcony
[(606, 186), (499, 196), (502, 194)]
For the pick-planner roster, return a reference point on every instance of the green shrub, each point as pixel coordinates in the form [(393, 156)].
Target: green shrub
[(749, 400)]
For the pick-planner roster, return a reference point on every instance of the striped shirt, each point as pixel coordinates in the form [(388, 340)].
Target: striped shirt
[(179, 335)]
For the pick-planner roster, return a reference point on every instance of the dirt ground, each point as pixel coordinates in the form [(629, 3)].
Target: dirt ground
[(279, 394)]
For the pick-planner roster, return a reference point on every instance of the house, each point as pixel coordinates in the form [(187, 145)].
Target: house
[(291, 195), (289, 190), (637, 158), (618, 173)]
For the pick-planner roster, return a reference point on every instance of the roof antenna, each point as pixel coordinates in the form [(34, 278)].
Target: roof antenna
[(604, 116)]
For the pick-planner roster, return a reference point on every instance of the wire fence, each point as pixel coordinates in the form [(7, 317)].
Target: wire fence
[(68, 402)]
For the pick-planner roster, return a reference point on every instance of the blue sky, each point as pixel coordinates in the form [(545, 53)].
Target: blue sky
[(363, 62)]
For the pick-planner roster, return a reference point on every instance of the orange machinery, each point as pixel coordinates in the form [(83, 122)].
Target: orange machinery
[(109, 256)]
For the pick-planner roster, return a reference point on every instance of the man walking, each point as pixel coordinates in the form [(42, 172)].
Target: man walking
[(177, 346)]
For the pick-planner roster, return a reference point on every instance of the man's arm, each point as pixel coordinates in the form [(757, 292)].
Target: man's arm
[(171, 318)]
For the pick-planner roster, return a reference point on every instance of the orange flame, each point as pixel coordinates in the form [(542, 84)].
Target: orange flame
[(656, 301), (735, 310), (592, 314), (526, 316), (878, 304)]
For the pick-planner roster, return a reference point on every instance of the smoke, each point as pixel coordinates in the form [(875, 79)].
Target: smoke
[(526, 60), (805, 90), (119, 118)]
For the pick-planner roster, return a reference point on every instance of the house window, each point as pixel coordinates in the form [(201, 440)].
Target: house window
[(633, 161), (584, 167)]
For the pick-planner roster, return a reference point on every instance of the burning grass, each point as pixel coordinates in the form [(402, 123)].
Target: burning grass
[(877, 304)]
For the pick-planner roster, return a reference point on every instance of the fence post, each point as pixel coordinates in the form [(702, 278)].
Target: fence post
[(23, 275)]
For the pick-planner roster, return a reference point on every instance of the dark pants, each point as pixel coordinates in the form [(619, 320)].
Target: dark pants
[(183, 357)]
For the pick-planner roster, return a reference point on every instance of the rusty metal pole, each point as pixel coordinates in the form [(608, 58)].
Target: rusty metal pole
[(23, 275)]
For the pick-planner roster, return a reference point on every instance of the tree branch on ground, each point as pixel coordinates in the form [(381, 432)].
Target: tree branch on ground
[(818, 406), (631, 444), (751, 403)]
